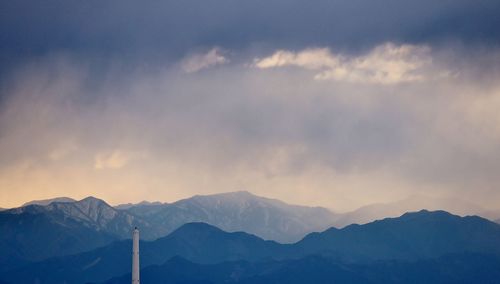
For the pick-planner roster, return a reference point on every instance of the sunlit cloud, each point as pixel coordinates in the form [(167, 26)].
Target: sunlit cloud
[(114, 160), (197, 62), (385, 64), (62, 151)]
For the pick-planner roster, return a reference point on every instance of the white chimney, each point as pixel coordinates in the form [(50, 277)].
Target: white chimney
[(135, 256)]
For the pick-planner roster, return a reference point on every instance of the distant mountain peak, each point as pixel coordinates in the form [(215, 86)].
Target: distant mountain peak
[(92, 200), (242, 193), (44, 202), (231, 194), (239, 198)]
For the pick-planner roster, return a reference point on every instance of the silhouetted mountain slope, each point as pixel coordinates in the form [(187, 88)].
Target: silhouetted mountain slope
[(456, 268), (238, 211), (306, 270), (36, 232), (416, 235), (310, 269), (197, 242)]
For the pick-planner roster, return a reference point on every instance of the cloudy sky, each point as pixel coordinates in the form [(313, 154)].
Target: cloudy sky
[(338, 103)]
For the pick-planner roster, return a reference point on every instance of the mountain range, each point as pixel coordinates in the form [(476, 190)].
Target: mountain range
[(62, 226), (295, 221), (267, 218), (92, 236), (408, 243)]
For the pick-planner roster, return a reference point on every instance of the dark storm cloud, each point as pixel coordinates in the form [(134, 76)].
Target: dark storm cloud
[(164, 29)]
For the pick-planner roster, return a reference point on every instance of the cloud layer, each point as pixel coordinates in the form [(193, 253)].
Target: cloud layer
[(335, 103), (279, 132)]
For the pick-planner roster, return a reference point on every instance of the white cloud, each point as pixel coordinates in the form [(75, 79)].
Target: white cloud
[(115, 160), (310, 59), (197, 62), (385, 64), (62, 151)]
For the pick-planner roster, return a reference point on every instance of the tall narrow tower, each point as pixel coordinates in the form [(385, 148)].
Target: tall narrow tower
[(135, 256)]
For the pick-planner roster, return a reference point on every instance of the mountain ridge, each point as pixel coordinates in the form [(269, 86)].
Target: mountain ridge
[(61, 227), (361, 215), (411, 237)]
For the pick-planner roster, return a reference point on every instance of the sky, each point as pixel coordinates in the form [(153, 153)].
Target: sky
[(332, 103)]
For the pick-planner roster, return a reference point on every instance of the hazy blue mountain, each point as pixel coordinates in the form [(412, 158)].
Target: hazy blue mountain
[(197, 242), (372, 212), (422, 234), (456, 268), (270, 219), (411, 237), (36, 232), (276, 220), (48, 201)]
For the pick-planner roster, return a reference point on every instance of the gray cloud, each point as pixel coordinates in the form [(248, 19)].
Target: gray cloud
[(169, 134), (94, 100)]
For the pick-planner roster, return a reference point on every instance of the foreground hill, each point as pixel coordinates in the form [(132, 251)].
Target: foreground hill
[(454, 268), (412, 237), (269, 219)]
